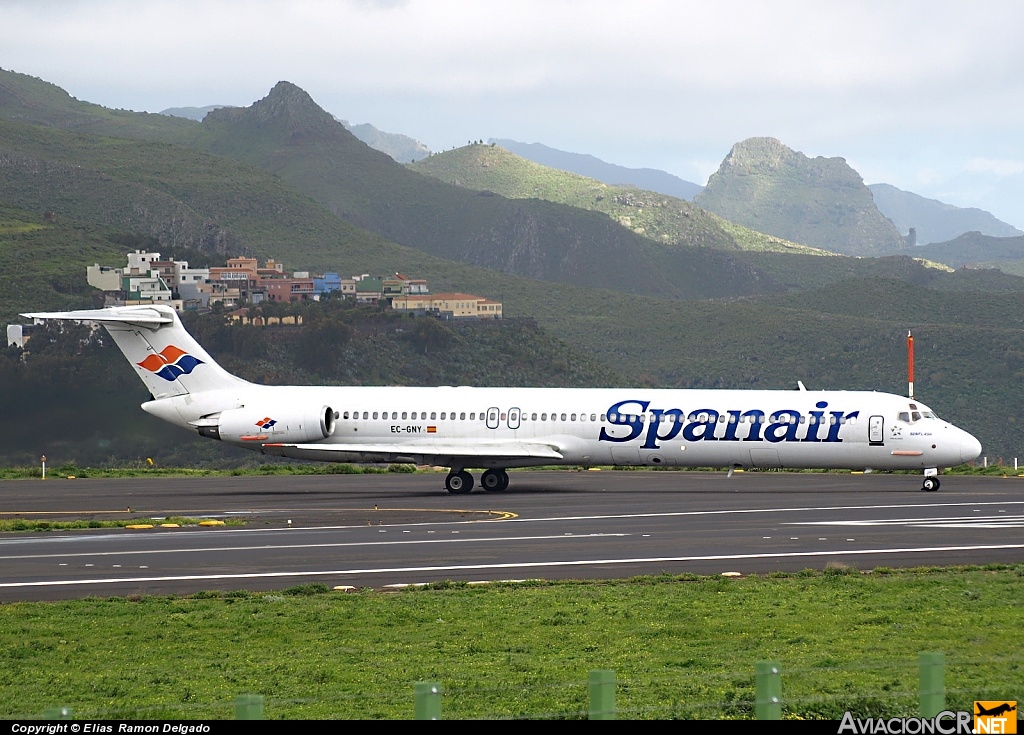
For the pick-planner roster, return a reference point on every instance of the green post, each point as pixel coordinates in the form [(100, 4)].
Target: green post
[(602, 694), (57, 713), (249, 707), (933, 683), (428, 701), (768, 691)]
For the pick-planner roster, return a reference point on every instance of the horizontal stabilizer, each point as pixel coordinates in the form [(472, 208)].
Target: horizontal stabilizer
[(140, 316), (161, 352)]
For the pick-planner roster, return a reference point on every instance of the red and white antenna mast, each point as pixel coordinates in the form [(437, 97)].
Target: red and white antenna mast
[(910, 362)]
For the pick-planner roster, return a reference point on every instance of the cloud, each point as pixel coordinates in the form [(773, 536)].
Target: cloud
[(657, 83), (1001, 167), (928, 177)]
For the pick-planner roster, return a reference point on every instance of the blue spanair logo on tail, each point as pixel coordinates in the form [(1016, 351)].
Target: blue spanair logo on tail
[(784, 425), (170, 363)]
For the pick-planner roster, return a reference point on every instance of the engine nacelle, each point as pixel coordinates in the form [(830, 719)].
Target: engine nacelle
[(290, 425)]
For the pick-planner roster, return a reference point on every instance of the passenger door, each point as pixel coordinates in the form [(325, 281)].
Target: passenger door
[(876, 431)]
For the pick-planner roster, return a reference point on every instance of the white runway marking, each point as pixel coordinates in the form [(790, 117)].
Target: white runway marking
[(58, 537), (511, 565), (270, 547), (1001, 521), (748, 511)]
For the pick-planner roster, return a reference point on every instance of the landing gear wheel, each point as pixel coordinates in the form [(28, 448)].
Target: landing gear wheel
[(459, 483), (930, 485), (494, 480)]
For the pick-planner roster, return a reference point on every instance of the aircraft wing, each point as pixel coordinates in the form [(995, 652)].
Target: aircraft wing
[(415, 452)]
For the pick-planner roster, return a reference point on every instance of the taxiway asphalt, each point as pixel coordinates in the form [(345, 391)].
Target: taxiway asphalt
[(395, 529)]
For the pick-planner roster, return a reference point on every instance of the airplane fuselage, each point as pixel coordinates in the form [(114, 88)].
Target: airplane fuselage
[(600, 426)]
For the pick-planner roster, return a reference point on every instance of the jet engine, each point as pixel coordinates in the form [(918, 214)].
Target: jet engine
[(260, 425)]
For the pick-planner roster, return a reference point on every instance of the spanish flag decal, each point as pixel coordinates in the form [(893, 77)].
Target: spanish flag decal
[(431, 429)]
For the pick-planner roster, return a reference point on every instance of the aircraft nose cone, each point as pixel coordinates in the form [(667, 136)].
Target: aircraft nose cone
[(970, 448)]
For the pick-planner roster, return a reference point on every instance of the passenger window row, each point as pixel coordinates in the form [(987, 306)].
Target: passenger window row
[(458, 416), (614, 418)]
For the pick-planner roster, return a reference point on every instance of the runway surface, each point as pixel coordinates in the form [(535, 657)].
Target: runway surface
[(379, 530)]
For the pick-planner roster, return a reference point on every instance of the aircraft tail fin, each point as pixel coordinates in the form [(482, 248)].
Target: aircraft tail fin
[(164, 355)]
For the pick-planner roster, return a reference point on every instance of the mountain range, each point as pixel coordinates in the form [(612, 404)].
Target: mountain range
[(609, 173), (288, 134), (665, 219), (933, 221), (400, 147), (283, 178)]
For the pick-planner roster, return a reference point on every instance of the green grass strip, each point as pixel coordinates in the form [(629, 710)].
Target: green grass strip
[(28, 524), (73, 472), (681, 647)]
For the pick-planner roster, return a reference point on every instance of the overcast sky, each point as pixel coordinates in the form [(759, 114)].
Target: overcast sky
[(926, 96)]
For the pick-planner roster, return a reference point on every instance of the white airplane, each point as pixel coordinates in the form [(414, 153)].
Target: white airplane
[(497, 428)]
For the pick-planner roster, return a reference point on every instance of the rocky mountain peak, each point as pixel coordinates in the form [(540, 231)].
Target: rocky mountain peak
[(758, 152), (767, 186), (286, 107)]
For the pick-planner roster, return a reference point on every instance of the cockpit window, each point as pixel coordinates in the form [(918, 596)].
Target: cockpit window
[(915, 414)]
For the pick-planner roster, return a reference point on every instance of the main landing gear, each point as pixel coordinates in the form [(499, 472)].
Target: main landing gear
[(494, 480), (461, 482)]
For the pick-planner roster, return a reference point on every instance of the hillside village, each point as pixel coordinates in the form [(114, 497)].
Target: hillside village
[(241, 283)]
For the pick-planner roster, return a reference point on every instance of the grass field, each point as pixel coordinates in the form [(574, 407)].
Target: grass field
[(681, 647)]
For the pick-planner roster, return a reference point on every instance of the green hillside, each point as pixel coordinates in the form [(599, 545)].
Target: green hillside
[(938, 304), (977, 250), (822, 202), (662, 218), (183, 197), (798, 272), (43, 263), (28, 99)]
